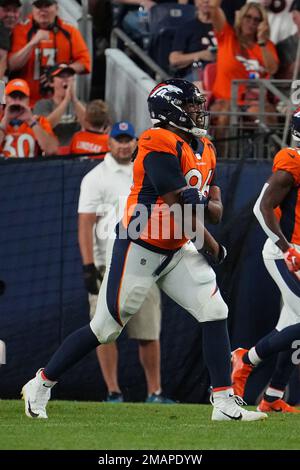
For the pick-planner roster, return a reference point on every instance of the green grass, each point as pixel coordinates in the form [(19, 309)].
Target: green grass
[(103, 426)]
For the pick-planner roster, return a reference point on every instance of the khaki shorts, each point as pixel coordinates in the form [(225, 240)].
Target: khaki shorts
[(146, 323)]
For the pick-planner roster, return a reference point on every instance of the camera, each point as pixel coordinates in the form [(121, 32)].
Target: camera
[(45, 81)]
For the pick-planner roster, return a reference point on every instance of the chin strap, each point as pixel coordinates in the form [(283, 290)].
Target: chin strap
[(195, 131)]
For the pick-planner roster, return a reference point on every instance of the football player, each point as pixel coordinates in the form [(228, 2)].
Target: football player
[(278, 212), (166, 177)]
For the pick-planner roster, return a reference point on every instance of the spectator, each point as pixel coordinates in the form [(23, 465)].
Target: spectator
[(280, 21), (93, 139), (103, 192), (64, 110), (242, 51), (131, 21), (9, 17), (101, 13), (194, 44), (43, 41), (22, 134), (287, 49)]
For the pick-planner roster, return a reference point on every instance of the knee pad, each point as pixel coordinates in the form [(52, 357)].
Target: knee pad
[(106, 329), (215, 308)]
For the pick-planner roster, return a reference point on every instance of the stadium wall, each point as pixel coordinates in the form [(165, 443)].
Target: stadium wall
[(45, 299)]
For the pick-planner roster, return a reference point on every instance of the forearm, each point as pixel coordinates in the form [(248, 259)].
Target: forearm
[(78, 66), (47, 143), (85, 237), (269, 61), (79, 110), (217, 15), (3, 62), (55, 117), (2, 136), (181, 60), (214, 209), (20, 58)]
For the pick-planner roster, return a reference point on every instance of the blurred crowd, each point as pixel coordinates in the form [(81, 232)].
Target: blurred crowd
[(213, 43)]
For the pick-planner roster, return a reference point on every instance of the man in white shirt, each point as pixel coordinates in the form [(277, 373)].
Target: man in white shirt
[(103, 195)]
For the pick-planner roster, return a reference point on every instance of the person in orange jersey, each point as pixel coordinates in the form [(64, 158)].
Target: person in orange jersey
[(42, 41), (93, 139), (22, 134), (244, 52), (278, 212), (166, 183)]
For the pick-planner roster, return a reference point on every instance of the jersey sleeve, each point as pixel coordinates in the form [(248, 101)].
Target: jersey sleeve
[(164, 172), (80, 50), (18, 38), (45, 124), (224, 33), (288, 160), (73, 143)]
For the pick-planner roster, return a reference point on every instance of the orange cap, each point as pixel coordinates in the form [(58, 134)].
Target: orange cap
[(17, 85)]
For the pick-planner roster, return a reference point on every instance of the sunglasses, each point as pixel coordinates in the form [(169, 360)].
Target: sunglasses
[(255, 19)]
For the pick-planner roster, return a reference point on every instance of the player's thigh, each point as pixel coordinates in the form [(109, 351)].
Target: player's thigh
[(289, 287), (192, 284), (146, 323), (128, 279)]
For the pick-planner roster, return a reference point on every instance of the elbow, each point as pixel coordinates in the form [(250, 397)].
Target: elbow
[(261, 210), (215, 217), (173, 60), (51, 148), (272, 69)]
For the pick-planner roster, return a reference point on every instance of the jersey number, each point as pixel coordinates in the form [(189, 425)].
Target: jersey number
[(25, 145), (194, 179)]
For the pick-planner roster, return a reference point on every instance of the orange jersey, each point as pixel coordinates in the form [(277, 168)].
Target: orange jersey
[(20, 140), (288, 213), (235, 64), (65, 45), (165, 163), (89, 142)]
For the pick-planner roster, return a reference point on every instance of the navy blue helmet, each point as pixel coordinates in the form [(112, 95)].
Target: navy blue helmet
[(295, 125), (180, 104)]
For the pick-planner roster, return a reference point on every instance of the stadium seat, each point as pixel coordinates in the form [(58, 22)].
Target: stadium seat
[(164, 20)]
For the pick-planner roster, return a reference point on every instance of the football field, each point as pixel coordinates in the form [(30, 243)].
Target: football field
[(101, 426)]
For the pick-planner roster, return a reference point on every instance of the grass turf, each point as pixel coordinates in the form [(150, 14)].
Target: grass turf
[(103, 426)]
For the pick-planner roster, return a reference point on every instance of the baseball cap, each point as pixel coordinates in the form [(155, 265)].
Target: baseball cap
[(122, 128), (17, 85), (39, 3), (59, 68), (6, 3), (295, 5)]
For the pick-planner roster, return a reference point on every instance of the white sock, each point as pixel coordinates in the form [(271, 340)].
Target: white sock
[(253, 357), (221, 394), (273, 392)]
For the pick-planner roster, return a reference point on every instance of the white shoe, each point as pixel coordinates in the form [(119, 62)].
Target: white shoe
[(228, 408), (36, 394)]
